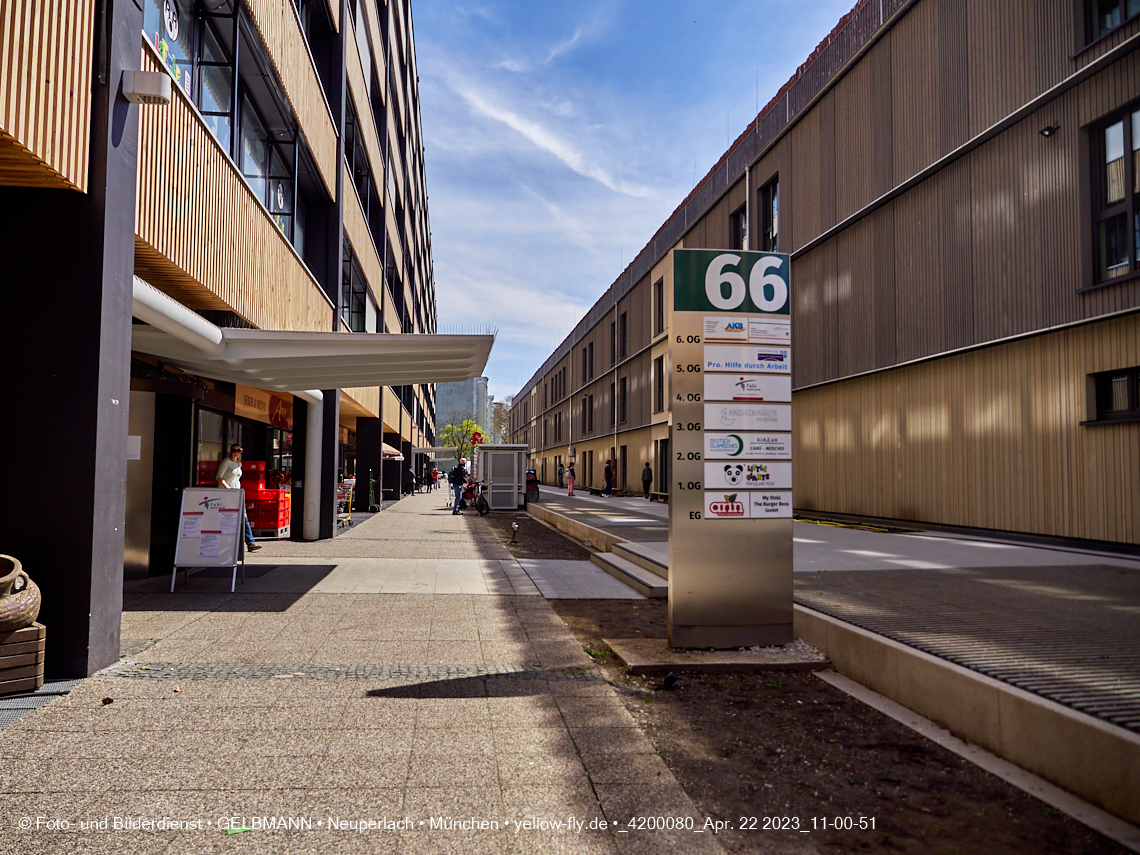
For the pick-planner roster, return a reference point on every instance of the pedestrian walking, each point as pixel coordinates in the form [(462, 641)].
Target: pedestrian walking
[(229, 478), (458, 480), (427, 480), (646, 480), (608, 474), (570, 479), (410, 480), (561, 472)]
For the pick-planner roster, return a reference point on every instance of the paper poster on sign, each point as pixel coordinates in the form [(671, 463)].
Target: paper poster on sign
[(726, 329), (748, 474), (210, 544), (748, 446), (228, 521), (191, 524)]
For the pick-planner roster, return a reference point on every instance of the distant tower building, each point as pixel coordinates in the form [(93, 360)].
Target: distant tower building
[(464, 400)]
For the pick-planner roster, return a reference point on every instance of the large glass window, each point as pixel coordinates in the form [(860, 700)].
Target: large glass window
[(254, 153), (770, 216), (169, 26), (1117, 201), (216, 84), (355, 293), (1104, 16)]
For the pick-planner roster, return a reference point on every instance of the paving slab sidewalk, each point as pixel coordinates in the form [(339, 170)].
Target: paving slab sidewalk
[(344, 721)]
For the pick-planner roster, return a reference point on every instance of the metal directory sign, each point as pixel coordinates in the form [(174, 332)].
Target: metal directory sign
[(730, 508)]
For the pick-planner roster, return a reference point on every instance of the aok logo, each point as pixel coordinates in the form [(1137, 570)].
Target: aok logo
[(730, 507)]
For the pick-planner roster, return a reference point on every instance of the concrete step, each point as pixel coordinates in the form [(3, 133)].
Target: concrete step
[(643, 581), (644, 556)]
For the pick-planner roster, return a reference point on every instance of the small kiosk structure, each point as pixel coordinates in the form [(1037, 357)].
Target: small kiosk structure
[(502, 467)]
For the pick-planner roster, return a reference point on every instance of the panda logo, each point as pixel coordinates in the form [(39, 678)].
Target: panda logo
[(733, 473)]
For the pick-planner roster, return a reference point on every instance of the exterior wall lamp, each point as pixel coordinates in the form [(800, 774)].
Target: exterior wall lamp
[(146, 87), (1049, 130)]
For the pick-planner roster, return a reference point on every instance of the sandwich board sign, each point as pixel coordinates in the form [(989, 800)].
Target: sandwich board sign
[(730, 504), (210, 531)]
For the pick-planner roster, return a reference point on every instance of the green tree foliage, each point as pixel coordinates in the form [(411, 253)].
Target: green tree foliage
[(459, 437)]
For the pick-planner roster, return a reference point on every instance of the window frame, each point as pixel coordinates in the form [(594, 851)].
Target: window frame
[(1093, 32), (770, 215), (659, 307), (1102, 211), (1101, 394)]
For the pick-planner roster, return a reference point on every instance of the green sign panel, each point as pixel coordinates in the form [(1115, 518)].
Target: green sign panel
[(713, 280)]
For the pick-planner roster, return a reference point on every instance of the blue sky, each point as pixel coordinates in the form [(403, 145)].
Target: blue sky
[(559, 136)]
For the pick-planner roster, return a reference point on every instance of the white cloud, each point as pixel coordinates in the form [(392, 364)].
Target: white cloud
[(548, 142)]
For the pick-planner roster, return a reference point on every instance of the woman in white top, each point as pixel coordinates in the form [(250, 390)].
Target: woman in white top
[(229, 478)]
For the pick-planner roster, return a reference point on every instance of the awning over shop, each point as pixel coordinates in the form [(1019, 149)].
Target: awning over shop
[(295, 361), (392, 453)]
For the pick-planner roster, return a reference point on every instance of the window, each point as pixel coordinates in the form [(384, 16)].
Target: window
[(1118, 394), (613, 342), (1117, 199), (613, 404), (589, 414), (623, 335), (659, 306), (738, 228), (585, 364), (659, 384), (770, 216), (353, 309), (215, 84), (1104, 16), (590, 361), (623, 399)]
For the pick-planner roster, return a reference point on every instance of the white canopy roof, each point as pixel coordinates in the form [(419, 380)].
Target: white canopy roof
[(296, 361)]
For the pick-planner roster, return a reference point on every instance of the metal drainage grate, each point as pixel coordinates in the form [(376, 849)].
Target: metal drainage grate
[(1069, 634)]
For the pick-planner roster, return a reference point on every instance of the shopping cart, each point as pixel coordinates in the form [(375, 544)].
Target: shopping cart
[(344, 503)]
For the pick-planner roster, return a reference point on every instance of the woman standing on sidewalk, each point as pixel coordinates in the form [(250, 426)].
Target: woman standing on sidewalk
[(570, 479)]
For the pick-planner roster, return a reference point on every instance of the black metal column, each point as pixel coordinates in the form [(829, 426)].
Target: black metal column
[(369, 454), (67, 261), (330, 462)]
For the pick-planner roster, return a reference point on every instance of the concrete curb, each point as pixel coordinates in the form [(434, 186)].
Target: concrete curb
[(600, 540), (1086, 756)]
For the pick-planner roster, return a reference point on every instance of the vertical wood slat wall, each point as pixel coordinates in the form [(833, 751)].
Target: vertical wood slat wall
[(358, 88), (360, 237), (276, 22), (990, 438), (367, 397), (45, 92), (984, 249), (202, 237)]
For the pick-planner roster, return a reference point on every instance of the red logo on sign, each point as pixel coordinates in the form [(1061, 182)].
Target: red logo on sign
[(728, 508)]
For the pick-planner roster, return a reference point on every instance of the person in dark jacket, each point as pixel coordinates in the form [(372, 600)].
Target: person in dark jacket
[(608, 474), (646, 480), (458, 480)]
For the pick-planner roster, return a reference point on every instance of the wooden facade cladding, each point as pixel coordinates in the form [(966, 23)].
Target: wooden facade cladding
[(45, 92), (990, 438), (986, 248), (356, 227), (362, 401), (276, 22), (202, 236), (392, 409), (358, 89)]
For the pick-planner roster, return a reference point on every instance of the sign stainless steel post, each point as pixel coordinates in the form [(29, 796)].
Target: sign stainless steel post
[(730, 505)]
